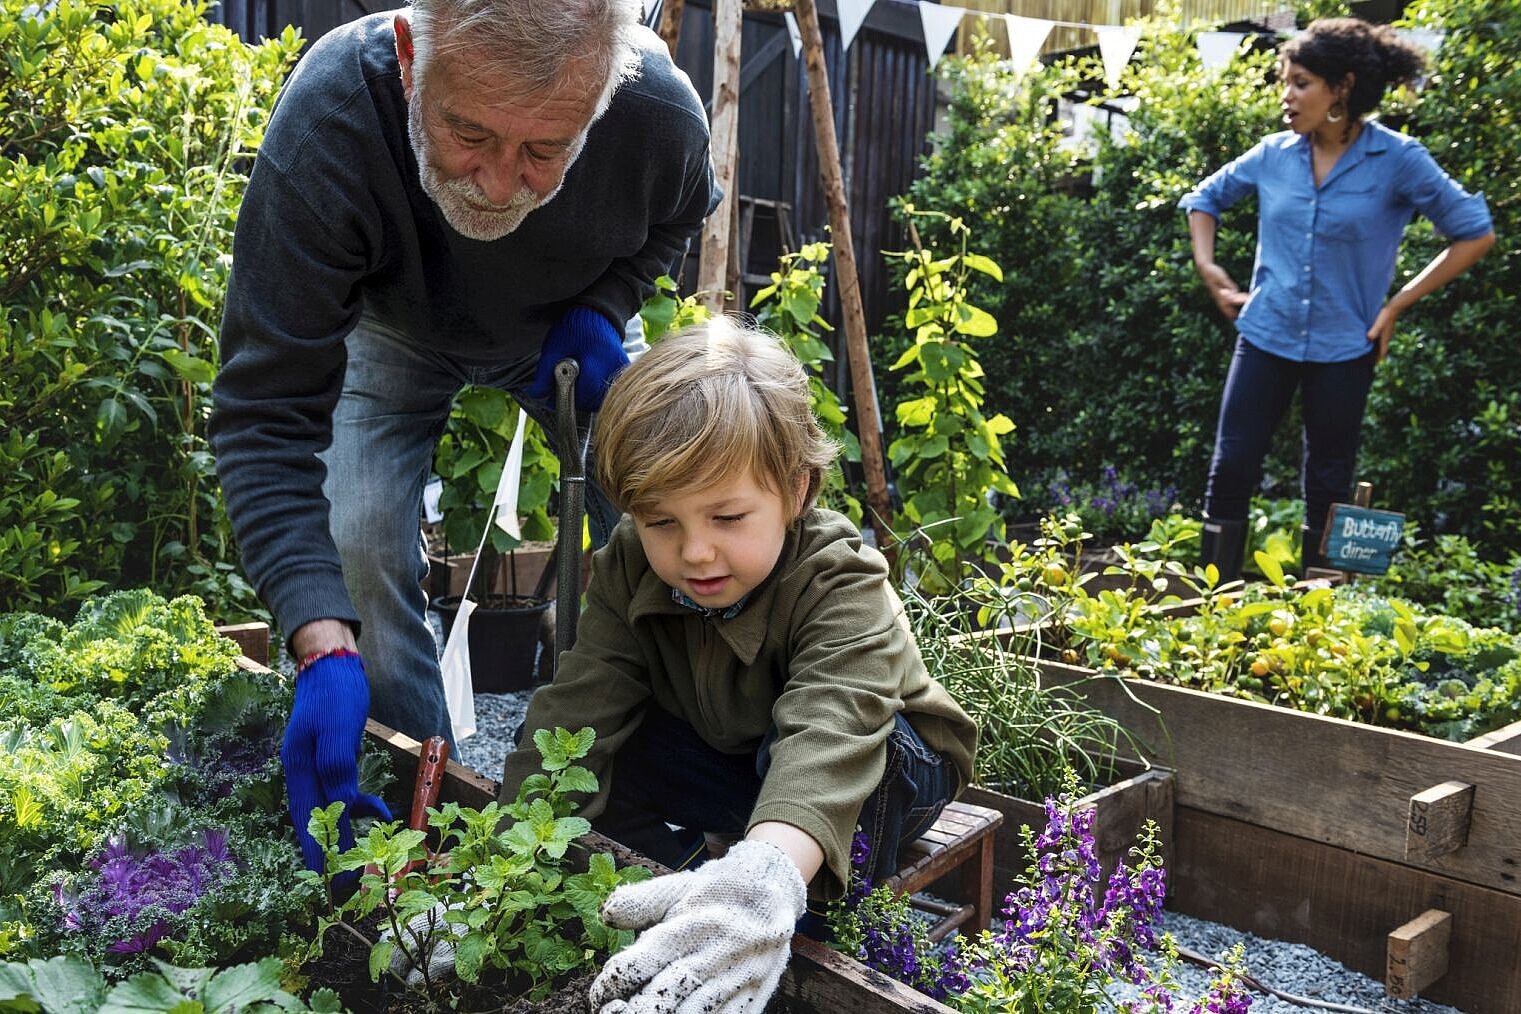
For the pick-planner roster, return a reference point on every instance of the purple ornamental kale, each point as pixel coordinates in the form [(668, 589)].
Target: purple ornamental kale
[(126, 885)]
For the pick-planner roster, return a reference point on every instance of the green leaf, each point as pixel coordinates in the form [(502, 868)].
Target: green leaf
[(1270, 568), (243, 985), (380, 957), (577, 779), (978, 262), (975, 321)]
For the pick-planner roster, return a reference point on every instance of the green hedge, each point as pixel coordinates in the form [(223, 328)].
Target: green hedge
[(1111, 351), (125, 132)]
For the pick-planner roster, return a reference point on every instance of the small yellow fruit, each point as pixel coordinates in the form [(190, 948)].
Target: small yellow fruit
[(1069, 656), (1259, 668), (1054, 574)]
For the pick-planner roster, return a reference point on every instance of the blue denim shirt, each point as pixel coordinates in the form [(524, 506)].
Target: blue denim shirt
[(1325, 256)]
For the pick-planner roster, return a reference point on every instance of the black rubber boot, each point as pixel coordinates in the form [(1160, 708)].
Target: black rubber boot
[(1224, 544), (1309, 552)]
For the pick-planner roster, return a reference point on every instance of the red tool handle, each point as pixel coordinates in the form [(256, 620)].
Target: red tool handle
[(431, 761)]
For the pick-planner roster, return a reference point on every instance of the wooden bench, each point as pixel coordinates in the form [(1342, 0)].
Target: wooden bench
[(961, 842)]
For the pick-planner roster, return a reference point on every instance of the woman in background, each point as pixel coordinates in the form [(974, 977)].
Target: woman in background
[(1334, 194)]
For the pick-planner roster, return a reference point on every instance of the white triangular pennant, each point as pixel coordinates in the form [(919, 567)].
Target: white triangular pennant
[(1428, 39), (506, 501), (940, 23), (852, 13), (794, 33), (459, 693), (1026, 37), (1217, 48), (1116, 45)]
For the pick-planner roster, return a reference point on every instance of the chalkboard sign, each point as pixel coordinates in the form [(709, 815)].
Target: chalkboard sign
[(1361, 539)]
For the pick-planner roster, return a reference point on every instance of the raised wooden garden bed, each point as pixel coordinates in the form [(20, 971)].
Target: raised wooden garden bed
[(1334, 833), (818, 980), (1122, 809)]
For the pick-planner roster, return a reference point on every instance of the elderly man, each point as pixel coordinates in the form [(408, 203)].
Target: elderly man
[(464, 192)]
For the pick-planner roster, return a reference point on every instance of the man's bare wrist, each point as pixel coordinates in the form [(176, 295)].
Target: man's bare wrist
[(322, 635)]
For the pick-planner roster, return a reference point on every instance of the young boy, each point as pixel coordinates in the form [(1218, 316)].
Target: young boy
[(748, 671)]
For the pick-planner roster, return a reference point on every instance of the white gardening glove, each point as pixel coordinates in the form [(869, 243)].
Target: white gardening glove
[(715, 939), (429, 932)]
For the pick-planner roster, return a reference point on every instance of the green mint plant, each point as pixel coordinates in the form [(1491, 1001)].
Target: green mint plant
[(496, 899), (948, 454)]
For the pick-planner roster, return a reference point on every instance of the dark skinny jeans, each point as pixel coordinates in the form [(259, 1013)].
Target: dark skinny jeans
[(1258, 390)]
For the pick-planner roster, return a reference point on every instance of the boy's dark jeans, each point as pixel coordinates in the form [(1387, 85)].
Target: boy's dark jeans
[(665, 774)]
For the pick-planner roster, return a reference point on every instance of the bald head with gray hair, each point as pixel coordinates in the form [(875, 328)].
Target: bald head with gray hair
[(535, 43)]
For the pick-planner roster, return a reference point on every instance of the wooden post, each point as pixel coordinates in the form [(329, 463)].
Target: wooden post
[(1418, 954), (724, 129), (670, 24), (252, 639), (868, 423), (1438, 820)]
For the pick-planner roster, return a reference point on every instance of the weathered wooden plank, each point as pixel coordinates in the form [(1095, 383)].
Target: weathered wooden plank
[(1506, 740), (1325, 779), (1122, 810), (1418, 954), (1343, 904), (252, 639)]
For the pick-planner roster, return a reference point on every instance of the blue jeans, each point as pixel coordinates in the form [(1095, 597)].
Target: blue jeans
[(386, 426), (1258, 390), (666, 774)]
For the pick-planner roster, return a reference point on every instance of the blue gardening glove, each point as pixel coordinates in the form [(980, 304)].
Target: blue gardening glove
[(590, 339), (321, 749)]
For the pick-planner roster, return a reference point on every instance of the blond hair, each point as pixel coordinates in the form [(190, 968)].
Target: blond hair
[(706, 404)]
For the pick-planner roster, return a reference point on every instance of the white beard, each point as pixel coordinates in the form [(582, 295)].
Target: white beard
[(464, 205)]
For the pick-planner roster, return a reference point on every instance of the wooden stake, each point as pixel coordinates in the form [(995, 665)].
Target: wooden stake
[(670, 24), (1438, 820), (868, 423), (1417, 954), (724, 129)]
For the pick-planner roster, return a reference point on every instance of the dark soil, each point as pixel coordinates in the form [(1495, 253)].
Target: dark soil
[(345, 968), (568, 999)]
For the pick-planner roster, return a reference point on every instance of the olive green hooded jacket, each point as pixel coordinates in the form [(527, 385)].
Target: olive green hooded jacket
[(821, 650)]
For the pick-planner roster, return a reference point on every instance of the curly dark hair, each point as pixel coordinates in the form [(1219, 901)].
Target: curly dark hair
[(1374, 54)]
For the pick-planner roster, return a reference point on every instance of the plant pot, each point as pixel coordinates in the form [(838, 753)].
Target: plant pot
[(506, 635)]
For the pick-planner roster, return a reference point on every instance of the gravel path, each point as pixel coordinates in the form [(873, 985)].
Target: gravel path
[(1291, 968)]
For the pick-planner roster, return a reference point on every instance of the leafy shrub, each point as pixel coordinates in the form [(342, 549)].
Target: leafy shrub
[(1448, 575), (126, 132)]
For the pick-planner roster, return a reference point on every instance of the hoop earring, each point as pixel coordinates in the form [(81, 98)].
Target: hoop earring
[(1334, 117)]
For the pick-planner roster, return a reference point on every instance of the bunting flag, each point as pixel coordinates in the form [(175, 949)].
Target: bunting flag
[(1428, 39), (852, 13), (1026, 36), (795, 34), (940, 23), (1217, 48), (1116, 45)]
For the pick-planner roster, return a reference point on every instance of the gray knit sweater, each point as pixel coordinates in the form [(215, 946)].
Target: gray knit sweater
[(335, 223)]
